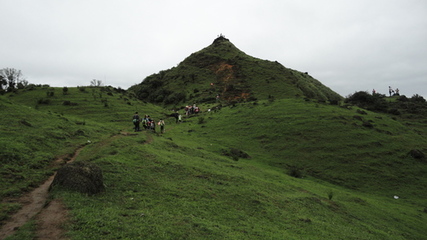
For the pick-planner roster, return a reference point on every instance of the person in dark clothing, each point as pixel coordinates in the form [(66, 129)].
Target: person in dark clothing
[(136, 121)]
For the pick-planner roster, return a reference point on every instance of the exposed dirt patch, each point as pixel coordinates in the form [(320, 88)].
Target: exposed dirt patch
[(50, 217), (50, 221), (33, 203)]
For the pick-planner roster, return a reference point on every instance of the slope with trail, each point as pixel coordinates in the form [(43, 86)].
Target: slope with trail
[(273, 159), (49, 215)]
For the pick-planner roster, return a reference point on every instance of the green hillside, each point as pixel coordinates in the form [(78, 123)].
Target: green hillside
[(279, 168), (274, 154), (223, 70)]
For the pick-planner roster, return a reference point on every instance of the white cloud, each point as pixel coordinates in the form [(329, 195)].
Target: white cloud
[(348, 45)]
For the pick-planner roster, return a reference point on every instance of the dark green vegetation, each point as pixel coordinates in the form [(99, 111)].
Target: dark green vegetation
[(280, 167)]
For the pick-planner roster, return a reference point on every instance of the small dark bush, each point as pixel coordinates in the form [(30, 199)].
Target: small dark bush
[(417, 154), (330, 195), (334, 102), (418, 98), (80, 133), (201, 120), (403, 98), (361, 112), (43, 101), (175, 98), (69, 103), (357, 117), (50, 93), (367, 124), (295, 172), (24, 122), (235, 154), (394, 111), (80, 123)]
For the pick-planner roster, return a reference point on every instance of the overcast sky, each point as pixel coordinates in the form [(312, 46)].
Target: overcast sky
[(348, 45)]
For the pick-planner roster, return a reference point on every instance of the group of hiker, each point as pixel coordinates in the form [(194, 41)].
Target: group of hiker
[(391, 91), (191, 109), (147, 123)]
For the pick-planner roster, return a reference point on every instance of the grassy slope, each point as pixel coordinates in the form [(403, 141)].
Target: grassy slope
[(180, 186), (32, 135)]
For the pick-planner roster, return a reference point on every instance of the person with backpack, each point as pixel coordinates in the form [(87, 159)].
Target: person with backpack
[(136, 121), (153, 125), (161, 123)]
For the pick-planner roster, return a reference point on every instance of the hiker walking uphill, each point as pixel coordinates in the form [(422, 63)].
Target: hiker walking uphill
[(136, 121), (161, 123)]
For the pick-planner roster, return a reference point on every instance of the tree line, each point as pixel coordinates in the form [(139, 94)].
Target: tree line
[(11, 79)]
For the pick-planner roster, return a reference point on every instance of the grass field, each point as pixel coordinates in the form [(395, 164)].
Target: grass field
[(273, 169)]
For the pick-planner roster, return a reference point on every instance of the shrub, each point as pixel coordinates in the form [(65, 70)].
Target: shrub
[(235, 154), (365, 100), (50, 93), (175, 98), (330, 195), (334, 102), (418, 98), (201, 120), (402, 98), (295, 172), (43, 101), (68, 103), (394, 111), (417, 154)]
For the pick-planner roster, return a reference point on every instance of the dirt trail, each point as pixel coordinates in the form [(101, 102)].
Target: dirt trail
[(50, 217)]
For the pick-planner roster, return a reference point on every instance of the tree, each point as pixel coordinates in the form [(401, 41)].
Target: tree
[(10, 79), (3, 82), (95, 83)]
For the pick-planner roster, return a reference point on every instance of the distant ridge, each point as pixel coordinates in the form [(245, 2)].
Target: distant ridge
[(222, 71)]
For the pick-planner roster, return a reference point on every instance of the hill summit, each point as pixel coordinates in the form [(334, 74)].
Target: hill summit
[(222, 71)]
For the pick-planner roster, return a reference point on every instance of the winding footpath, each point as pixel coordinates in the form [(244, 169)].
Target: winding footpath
[(50, 216)]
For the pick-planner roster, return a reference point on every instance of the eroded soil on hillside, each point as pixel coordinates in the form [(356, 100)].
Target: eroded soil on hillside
[(50, 216)]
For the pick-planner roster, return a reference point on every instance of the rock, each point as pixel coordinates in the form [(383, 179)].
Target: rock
[(79, 176)]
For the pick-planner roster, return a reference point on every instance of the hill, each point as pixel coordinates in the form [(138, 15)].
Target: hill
[(221, 71), (279, 168)]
